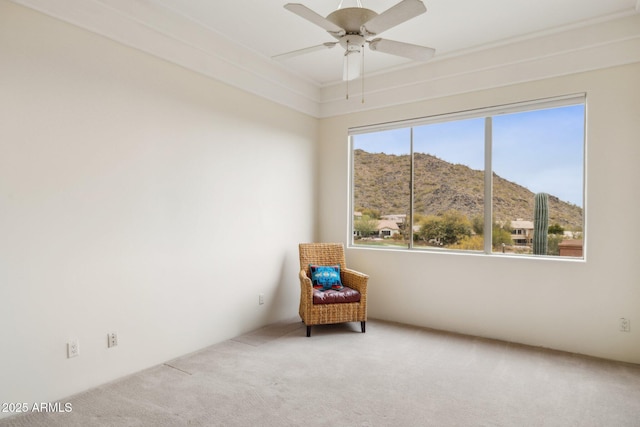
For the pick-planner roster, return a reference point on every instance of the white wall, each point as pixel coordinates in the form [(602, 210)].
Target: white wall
[(136, 197), (572, 306), (141, 198)]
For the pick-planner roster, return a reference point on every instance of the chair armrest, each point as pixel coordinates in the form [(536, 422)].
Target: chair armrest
[(306, 288), (355, 280)]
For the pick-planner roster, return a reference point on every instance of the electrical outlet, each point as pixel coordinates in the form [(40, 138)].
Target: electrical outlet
[(73, 349), (261, 299), (112, 339), (625, 325)]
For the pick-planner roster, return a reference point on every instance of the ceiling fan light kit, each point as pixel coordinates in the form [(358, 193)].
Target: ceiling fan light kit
[(353, 26)]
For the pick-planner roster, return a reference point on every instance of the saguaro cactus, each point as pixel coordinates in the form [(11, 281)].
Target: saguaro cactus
[(540, 223)]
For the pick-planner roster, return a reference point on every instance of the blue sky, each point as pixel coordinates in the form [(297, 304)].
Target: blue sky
[(541, 150)]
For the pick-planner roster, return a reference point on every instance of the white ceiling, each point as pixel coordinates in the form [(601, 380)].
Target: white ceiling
[(449, 26), (234, 40)]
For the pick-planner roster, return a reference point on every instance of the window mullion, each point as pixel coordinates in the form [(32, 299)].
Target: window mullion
[(488, 186), (411, 181)]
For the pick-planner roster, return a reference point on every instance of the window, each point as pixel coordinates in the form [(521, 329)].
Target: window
[(506, 179)]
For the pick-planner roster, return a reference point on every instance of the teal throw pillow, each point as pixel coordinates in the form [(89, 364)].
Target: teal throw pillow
[(326, 277)]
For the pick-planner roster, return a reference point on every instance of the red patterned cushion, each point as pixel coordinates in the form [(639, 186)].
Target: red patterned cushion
[(346, 294)]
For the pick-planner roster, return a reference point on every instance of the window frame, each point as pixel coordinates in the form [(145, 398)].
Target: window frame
[(487, 113)]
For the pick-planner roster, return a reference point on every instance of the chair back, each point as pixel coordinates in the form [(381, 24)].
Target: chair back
[(321, 254)]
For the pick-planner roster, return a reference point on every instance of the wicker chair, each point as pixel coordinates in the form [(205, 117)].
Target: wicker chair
[(327, 313)]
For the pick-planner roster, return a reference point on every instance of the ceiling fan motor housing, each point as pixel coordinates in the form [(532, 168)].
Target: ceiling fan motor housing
[(351, 19)]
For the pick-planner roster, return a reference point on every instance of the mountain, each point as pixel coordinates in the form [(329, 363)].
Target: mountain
[(381, 183)]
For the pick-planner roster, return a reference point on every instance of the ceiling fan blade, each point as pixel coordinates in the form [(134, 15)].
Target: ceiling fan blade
[(311, 16), (352, 65), (406, 50), (393, 16), (287, 55)]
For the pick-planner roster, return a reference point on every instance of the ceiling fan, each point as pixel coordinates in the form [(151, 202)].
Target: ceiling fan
[(353, 27)]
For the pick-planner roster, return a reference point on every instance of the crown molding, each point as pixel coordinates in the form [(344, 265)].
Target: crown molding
[(600, 45), (161, 32), (184, 42)]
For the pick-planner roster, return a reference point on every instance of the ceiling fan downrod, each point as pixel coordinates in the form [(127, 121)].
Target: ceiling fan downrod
[(358, 3), (362, 74)]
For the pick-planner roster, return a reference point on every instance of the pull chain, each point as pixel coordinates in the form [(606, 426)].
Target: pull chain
[(362, 73), (347, 72)]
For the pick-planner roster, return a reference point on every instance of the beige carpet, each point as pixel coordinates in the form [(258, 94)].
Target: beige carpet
[(394, 375)]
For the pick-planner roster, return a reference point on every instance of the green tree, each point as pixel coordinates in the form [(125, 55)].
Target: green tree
[(554, 244), (406, 230), (500, 234), (371, 213), (477, 223), (556, 229), (430, 228), (446, 229), (365, 226)]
